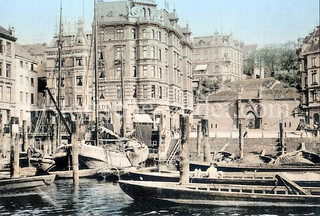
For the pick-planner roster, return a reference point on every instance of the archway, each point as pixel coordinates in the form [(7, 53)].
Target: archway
[(252, 121)]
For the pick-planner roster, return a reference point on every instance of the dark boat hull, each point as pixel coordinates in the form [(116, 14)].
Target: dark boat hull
[(165, 177), (176, 193)]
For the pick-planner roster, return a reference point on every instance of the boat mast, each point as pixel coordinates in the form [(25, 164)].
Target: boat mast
[(96, 74), (59, 77), (123, 94)]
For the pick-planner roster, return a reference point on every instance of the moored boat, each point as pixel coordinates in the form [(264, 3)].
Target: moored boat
[(219, 194)]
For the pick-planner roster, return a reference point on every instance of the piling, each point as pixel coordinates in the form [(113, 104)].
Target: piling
[(206, 147), (281, 138), (199, 139), (184, 153), (75, 156), (241, 141), (14, 154)]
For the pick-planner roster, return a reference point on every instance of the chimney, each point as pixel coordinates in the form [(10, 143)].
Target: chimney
[(11, 30)]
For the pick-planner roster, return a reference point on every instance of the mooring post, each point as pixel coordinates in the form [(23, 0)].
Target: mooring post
[(198, 139), (14, 156), (241, 141), (281, 138), (184, 153), (75, 155), (206, 137)]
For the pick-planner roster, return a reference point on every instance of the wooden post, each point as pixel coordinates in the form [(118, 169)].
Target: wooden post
[(54, 138), (14, 156), (184, 153), (206, 147), (281, 138), (241, 142), (198, 139), (24, 136), (75, 156)]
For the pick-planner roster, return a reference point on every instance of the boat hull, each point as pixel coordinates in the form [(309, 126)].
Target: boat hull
[(176, 193), (23, 184)]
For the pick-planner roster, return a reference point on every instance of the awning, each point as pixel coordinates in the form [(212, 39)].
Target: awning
[(142, 118), (201, 67)]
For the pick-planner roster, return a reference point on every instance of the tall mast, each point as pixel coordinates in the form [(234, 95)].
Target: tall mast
[(59, 76), (123, 94), (96, 74)]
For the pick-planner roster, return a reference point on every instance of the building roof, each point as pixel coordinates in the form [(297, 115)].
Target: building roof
[(4, 33), (311, 43), (35, 49), (20, 51)]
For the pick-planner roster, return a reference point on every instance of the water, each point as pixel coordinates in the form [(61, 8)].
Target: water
[(103, 198)]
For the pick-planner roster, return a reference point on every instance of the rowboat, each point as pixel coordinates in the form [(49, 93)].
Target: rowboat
[(221, 194), (24, 184)]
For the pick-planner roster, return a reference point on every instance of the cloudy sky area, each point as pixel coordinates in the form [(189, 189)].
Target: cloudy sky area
[(251, 21)]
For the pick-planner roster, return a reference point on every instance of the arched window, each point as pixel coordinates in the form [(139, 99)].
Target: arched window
[(316, 118), (149, 12), (144, 12), (252, 120)]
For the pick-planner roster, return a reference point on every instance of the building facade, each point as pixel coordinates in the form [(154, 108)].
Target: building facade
[(76, 72), (146, 47), (26, 85), (309, 56), (7, 76), (219, 57)]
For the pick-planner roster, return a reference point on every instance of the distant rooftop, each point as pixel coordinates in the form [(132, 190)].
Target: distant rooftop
[(4, 33)]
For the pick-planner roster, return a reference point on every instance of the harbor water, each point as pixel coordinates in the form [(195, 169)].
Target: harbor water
[(103, 198)]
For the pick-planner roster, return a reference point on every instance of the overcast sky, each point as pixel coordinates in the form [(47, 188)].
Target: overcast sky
[(251, 21)]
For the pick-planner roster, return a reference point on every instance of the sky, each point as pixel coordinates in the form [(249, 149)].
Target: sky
[(251, 21)]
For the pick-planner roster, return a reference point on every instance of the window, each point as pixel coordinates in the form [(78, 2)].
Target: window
[(149, 12), (134, 71), (145, 91), (1, 46), (118, 92), (134, 53), (101, 69), (118, 71), (153, 34), (0, 68), (27, 97), (101, 34), (27, 80), (314, 77), (160, 55), (145, 52), (314, 95), (21, 97), (32, 82), (79, 61), (8, 51), (79, 80), (62, 82), (134, 91), (153, 52), (32, 67), (21, 64), (118, 53), (159, 36), (1, 93), (153, 71), (160, 92), (144, 12), (160, 73), (313, 62), (21, 80), (145, 71), (79, 100), (8, 70), (119, 34), (32, 98), (153, 91), (8, 94), (133, 34), (144, 33)]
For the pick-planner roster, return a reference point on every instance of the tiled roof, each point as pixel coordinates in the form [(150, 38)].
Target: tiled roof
[(20, 51), (6, 34)]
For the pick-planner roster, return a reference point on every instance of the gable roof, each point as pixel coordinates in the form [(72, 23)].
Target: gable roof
[(4, 33)]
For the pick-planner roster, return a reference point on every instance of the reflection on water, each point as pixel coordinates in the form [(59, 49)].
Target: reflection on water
[(102, 198)]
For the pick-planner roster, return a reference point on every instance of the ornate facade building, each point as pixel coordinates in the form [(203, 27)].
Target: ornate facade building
[(219, 57), (309, 56), (76, 73), (146, 47)]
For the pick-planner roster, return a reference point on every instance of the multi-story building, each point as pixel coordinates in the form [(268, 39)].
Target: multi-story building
[(219, 57), (26, 85), (7, 75), (147, 48), (309, 56), (76, 72)]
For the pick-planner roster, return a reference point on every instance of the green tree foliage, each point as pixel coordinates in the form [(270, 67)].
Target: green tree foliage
[(209, 85), (280, 60)]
